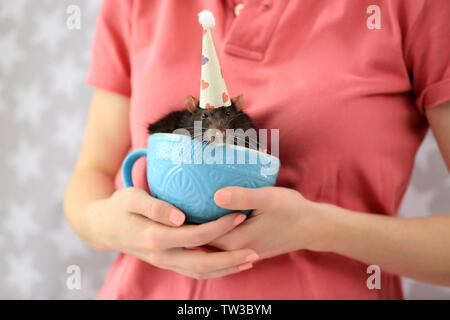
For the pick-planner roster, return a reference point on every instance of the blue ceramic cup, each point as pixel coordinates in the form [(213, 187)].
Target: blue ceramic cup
[(186, 172)]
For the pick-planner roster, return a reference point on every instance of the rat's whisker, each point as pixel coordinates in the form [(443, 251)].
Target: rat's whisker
[(245, 137), (234, 117), (251, 141)]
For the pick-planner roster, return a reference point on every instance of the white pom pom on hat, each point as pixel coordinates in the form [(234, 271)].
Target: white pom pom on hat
[(213, 90), (206, 19)]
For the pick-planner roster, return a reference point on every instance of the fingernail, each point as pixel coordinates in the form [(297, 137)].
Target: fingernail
[(245, 266), (239, 219), (223, 197), (176, 217), (252, 258)]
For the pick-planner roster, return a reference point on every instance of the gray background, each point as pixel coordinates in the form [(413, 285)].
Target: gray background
[(43, 107)]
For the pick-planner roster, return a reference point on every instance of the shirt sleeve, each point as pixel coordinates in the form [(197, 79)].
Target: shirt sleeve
[(427, 54), (109, 68)]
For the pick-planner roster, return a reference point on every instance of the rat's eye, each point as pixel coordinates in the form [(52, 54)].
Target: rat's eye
[(228, 113), (204, 116)]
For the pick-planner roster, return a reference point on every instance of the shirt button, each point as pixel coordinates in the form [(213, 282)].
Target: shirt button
[(238, 8)]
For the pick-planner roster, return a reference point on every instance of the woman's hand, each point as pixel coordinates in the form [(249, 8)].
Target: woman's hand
[(133, 222), (282, 221)]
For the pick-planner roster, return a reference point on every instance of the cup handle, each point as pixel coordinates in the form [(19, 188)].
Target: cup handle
[(127, 166)]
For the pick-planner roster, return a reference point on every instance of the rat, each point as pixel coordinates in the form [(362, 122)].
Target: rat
[(218, 119)]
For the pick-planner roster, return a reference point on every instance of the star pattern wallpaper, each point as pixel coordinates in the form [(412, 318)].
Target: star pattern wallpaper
[(43, 108)]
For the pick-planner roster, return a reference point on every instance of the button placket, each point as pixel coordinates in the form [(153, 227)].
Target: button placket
[(250, 33)]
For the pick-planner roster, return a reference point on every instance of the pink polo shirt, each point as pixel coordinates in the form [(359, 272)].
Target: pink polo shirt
[(347, 96)]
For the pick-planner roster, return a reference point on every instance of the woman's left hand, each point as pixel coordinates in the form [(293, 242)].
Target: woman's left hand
[(282, 221)]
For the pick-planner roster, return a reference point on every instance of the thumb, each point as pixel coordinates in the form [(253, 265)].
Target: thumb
[(239, 198)]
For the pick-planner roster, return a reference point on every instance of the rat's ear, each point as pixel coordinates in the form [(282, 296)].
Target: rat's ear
[(238, 102), (191, 103)]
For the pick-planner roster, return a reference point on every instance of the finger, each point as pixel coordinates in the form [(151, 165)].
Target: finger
[(222, 243), (239, 198), (140, 202), (198, 235), (215, 274), (202, 262), (195, 274), (206, 248), (134, 233)]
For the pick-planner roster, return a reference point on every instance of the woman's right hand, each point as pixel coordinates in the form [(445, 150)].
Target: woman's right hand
[(133, 222)]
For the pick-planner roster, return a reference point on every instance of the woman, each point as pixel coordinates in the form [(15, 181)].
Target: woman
[(352, 87)]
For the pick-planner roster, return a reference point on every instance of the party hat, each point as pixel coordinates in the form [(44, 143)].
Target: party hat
[(213, 91)]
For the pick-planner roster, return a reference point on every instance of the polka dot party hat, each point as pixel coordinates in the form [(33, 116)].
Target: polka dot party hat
[(213, 91)]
